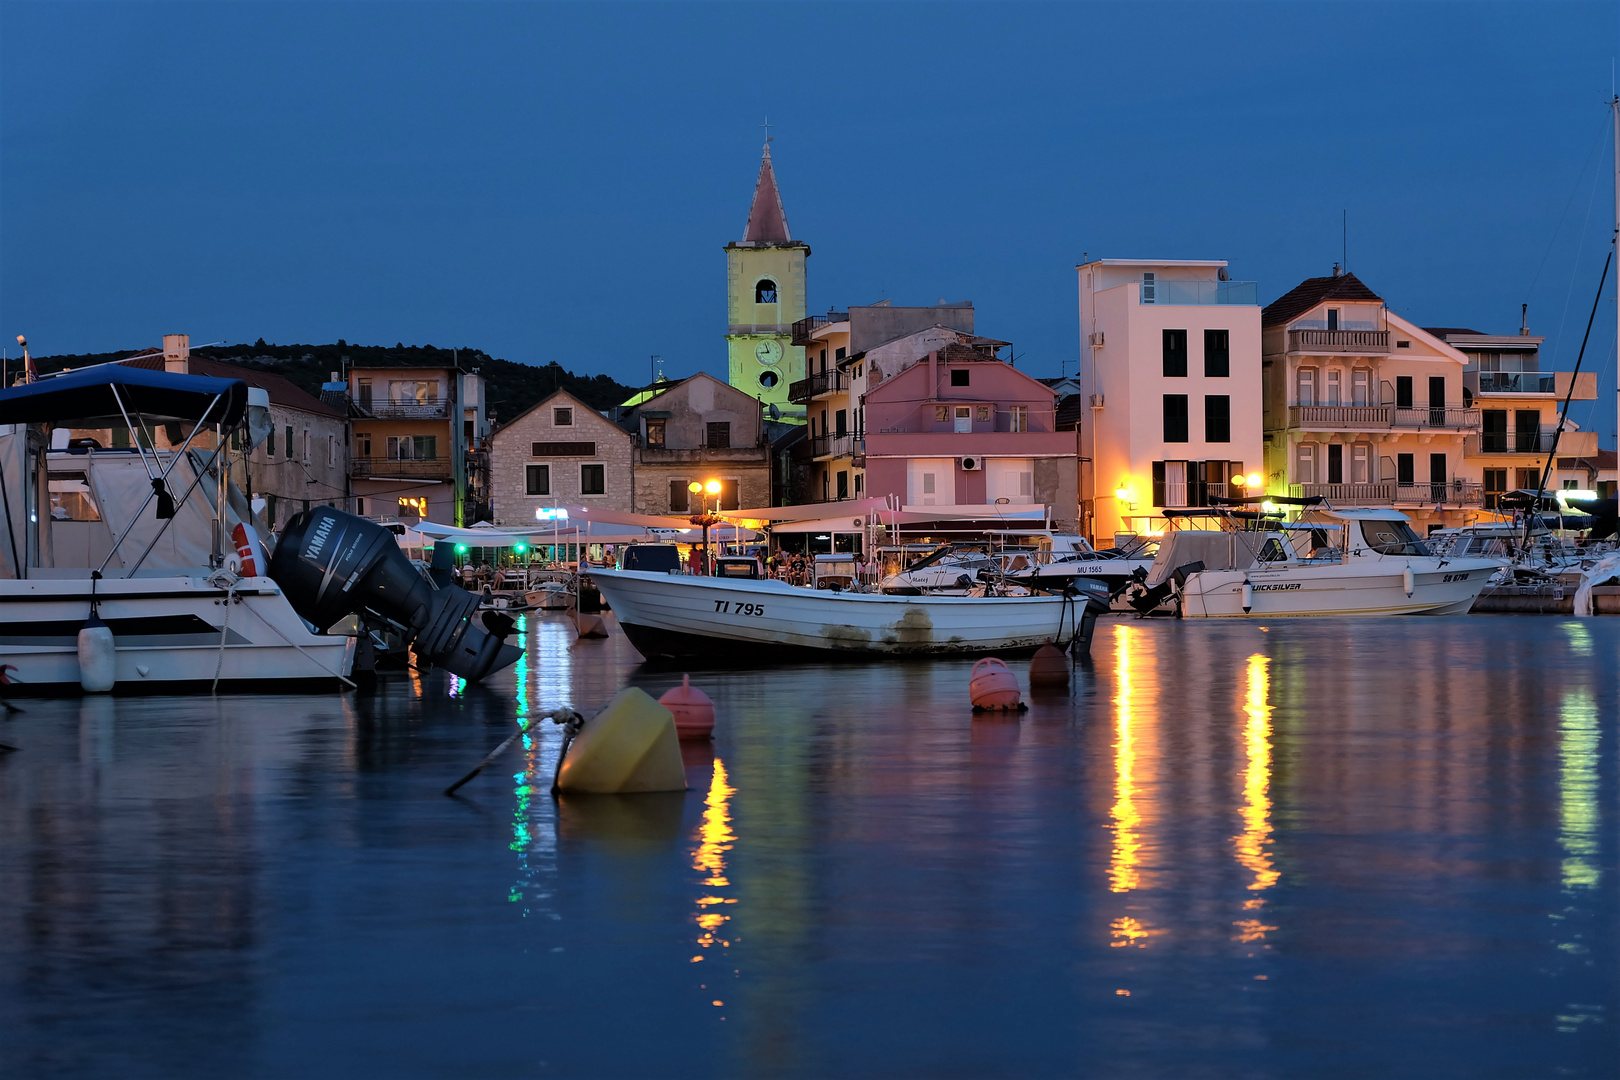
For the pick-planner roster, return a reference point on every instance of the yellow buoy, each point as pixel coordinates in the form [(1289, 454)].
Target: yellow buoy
[(629, 746)]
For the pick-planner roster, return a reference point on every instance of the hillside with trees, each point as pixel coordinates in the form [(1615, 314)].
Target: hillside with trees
[(512, 387)]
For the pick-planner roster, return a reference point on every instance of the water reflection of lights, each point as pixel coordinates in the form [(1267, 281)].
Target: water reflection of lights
[(1124, 866), (1254, 842), (1123, 874), (1579, 813), (535, 846), (715, 838)]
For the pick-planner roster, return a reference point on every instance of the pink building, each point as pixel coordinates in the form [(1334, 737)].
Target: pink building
[(961, 432)]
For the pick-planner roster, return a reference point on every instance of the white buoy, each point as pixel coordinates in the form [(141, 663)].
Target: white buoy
[(1408, 582), (1248, 596), (98, 657)]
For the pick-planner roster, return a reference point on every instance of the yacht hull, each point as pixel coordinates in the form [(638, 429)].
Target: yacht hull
[(1351, 588), (167, 634), (670, 616)]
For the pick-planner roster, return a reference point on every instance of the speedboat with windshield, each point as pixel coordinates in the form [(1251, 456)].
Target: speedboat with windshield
[(1338, 562)]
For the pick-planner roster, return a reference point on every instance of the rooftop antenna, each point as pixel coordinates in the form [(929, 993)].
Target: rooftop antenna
[(1344, 239)]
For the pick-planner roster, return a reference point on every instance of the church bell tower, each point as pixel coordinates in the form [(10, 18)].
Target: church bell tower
[(765, 296)]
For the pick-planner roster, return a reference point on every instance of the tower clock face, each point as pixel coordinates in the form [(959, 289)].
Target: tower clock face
[(768, 352)]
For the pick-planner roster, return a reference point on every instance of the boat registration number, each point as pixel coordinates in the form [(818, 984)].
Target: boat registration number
[(726, 607), (1456, 577)]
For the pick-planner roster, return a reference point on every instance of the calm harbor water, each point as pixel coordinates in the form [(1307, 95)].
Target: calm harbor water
[(1338, 848)]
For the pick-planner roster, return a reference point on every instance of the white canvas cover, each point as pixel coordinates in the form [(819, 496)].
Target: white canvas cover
[(12, 508), (1215, 549)]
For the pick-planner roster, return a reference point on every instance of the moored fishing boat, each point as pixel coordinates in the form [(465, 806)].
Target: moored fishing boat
[(724, 619)]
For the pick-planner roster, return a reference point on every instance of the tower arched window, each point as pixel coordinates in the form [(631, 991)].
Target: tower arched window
[(765, 291)]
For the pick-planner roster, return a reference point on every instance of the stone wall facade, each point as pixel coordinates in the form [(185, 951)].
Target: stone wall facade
[(570, 466)]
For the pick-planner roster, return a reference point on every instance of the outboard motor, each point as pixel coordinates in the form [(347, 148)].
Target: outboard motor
[(332, 564)]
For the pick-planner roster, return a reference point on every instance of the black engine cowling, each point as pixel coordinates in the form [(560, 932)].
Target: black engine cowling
[(331, 564)]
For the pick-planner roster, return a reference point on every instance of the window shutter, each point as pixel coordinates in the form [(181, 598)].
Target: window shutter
[(1158, 483)]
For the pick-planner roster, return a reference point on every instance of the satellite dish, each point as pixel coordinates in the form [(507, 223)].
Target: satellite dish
[(776, 414)]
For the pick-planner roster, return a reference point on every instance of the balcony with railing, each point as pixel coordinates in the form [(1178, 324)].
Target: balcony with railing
[(1187, 495), (1384, 418), (820, 384), (1488, 443), (1390, 493), (362, 468), (405, 410), (1341, 417), (1198, 293), (837, 445), (1517, 382), (804, 328), (1437, 418), (1355, 342)]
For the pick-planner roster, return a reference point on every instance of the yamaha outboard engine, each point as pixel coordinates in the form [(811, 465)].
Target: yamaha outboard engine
[(332, 564)]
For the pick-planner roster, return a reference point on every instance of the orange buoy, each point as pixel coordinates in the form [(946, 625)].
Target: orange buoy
[(992, 685), (1048, 667), (694, 711)]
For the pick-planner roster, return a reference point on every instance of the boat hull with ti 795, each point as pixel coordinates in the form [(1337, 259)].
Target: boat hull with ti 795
[(675, 616)]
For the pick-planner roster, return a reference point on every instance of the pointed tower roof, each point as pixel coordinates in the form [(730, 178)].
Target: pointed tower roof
[(767, 221)]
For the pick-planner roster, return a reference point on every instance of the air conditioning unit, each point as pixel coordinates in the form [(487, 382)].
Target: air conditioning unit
[(1097, 339), (972, 464)]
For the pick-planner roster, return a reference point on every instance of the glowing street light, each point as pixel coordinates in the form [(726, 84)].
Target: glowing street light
[(704, 517)]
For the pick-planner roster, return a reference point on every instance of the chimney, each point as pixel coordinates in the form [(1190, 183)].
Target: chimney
[(1337, 270), (177, 353), (1524, 320)]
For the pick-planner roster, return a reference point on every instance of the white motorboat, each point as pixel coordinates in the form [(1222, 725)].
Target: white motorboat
[(550, 596), (722, 620), (177, 592), (183, 609), (1379, 566), (1060, 559), (172, 630)]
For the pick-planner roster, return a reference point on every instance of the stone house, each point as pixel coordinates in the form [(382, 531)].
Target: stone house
[(699, 429), (561, 452)]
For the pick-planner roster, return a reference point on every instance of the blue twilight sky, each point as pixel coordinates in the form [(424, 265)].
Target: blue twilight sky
[(552, 182)]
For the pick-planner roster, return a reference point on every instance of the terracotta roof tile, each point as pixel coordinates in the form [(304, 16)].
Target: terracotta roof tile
[(281, 391), (1312, 291), (767, 221)]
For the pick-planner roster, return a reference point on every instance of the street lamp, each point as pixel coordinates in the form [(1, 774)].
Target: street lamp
[(704, 517)]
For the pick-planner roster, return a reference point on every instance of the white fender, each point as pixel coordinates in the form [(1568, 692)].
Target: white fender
[(1248, 596), (1408, 581), (98, 657)]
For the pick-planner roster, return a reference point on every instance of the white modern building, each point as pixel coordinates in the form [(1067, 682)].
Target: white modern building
[(1170, 370)]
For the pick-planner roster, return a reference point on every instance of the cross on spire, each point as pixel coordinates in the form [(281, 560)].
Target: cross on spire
[(767, 126)]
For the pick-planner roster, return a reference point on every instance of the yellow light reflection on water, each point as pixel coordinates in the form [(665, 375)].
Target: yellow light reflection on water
[(1124, 864), (1123, 872), (1254, 842), (715, 838), (1579, 812)]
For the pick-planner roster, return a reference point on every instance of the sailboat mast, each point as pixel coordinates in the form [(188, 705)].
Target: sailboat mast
[(1614, 107)]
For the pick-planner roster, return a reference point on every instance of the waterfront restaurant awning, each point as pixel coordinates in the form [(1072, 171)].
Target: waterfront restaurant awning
[(492, 536)]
